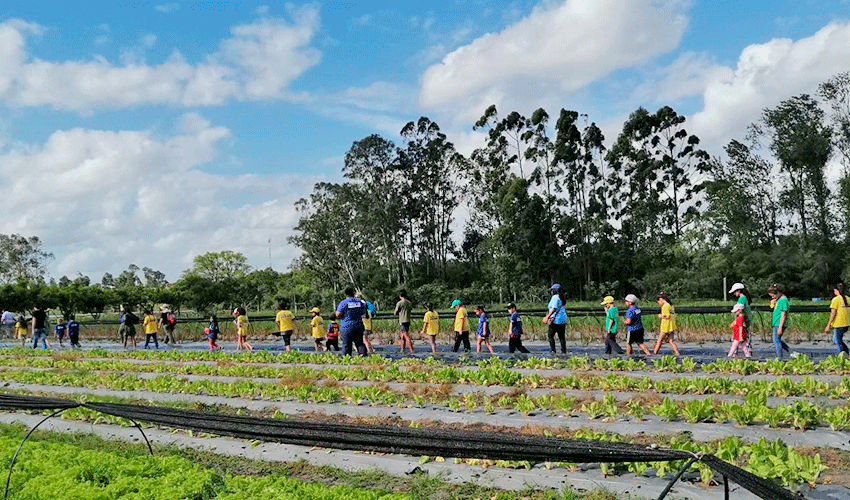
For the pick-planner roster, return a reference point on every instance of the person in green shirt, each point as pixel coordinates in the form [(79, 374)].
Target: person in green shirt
[(612, 321), (780, 318)]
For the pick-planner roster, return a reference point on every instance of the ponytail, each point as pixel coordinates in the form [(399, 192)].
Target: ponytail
[(746, 293), (840, 288)]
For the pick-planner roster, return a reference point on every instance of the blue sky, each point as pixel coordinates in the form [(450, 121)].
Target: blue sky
[(150, 132)]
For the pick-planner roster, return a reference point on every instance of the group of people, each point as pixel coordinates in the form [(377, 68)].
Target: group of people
[(19, 327), (166, 322)]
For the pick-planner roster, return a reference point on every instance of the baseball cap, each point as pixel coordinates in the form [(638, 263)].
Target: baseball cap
[(738, 307), (236, 312), (631, 298), (315, 310), (736, 286), (607, 300), (555, 287), (456, 303)]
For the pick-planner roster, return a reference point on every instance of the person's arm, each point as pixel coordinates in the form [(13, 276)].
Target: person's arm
[(782, 317), (832, 315), (510, 326)]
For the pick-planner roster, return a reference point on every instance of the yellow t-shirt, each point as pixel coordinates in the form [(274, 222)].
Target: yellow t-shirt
[(367, 320), (318, 326), (150, 324), (20, 331), (461, 321), (432, 319), (842, 314), (668, 324), (284, 320), (242, 325)]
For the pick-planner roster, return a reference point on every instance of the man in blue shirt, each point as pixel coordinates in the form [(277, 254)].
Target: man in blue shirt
[(350, 312), (515, 330), (73, 331), (60, 329), (557, 319), (634, 325)]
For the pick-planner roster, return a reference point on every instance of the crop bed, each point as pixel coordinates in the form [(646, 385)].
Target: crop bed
[(781, 419)]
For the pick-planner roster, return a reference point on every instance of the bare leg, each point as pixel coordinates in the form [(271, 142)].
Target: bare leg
[(645, 350), (675, 348), (489, 346)]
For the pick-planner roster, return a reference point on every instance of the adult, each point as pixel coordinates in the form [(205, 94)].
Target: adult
[(612, 323), (461, 326), (7, 323), (127, 328), (285, 323), (780, 318), (634, 325), (745, 299), (371, 311), (168, 323), (402, 310), (39, 327), (350, 311), (557, 319), (667, 327), (839, 318)]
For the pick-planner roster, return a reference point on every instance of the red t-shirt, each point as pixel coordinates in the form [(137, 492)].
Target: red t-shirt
[(739, 330)]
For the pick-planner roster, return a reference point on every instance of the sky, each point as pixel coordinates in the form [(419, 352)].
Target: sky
[(150, 132)]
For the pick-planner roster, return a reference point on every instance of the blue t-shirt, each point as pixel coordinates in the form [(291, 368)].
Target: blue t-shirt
[(214, 328), (516, 325), (560, 316), (73, 327), (635, 315), (483, 326), (351, 312), (59, 329)]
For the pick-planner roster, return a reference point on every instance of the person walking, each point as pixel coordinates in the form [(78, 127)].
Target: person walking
[(667, 328), (168, 323), (461, 326), (317, 325), (242, 329), (839, 318), (212, 332), (612, 323), (431, 326), (515, 330), (746, 300), (483, 334), (74, 331), (350, 311), (151, 325), (634, 325), (371, 311), (739, 332), (402, 310), (779, 319), (39, 327), (7, 323), (127, 329), (285, 323), (557, 319)]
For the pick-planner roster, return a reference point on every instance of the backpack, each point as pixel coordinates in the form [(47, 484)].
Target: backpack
[(171, 318), (130, 319)]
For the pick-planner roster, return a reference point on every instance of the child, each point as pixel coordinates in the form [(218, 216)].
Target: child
[(73, 331), (316, 325), (284, 320), (333, 333), (667, 329), (60, 330), (402, 309), (367, 323), (242, 329), (739, 332), (21, 329), (634, 325), (213, 332), (515, 330), (461, 326), (151, 325), (431, 326), (611, 326), (483, 330)]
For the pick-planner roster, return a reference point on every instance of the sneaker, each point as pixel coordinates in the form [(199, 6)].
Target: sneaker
[(795, 355)]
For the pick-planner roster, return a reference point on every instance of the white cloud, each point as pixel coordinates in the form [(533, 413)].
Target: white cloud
[(101, 200), (149, 40), (167, 8), (765, 75), (261, 10), (570, 44), (258, 61)]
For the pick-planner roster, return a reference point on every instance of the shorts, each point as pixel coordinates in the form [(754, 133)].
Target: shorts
[(405, 327), (127, 331), (482, 336), (635, 336), (287, 337), (668, 336)]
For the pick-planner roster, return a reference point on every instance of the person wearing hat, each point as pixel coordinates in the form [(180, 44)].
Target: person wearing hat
[(241, 329), (515, 330), (611, 326), (557, 319), (168, 322), (461, 326), (634, 325), (317, 326), (739, 332)]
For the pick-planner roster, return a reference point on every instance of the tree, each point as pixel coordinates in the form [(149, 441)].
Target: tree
[(107, 281), (218, 266), (22, 259), (128, 278), (153, 278), (836, 92), (801, 142)]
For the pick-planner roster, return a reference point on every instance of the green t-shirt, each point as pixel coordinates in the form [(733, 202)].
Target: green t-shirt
[(781, 305), (748, 313), (402, 308), (612, 318)]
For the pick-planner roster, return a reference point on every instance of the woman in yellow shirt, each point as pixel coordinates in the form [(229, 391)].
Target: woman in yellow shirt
[(431, 326), (667, 330), (839, 318), (242, 330), (151, 325)]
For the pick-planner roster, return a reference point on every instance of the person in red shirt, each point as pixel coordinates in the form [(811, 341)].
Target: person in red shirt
[(739, 333)]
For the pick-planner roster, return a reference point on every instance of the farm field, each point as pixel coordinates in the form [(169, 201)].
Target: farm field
[(787, 420)]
